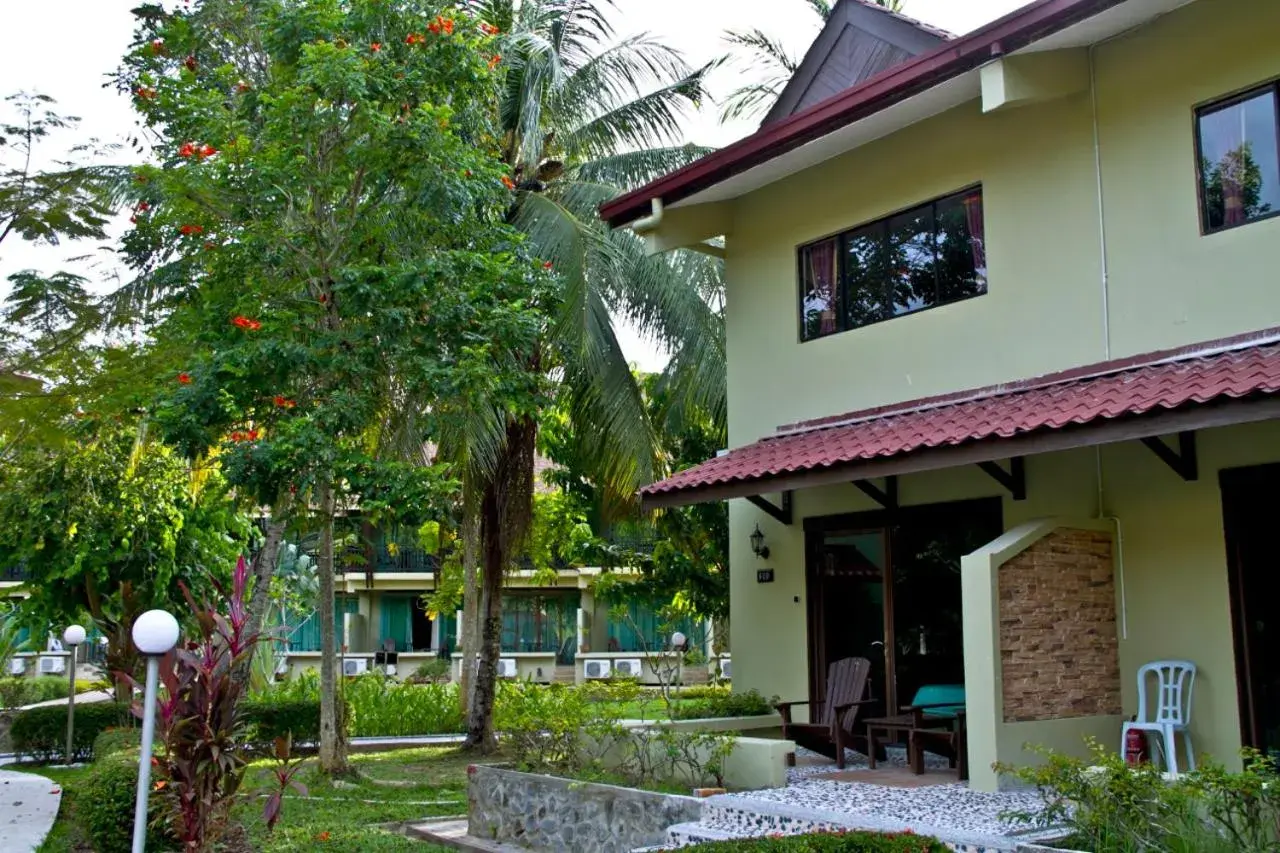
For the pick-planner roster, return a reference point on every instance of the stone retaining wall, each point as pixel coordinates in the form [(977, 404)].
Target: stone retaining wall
[(547, 813)]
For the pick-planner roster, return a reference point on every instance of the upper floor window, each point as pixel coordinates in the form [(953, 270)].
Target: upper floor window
[(1238, 142), (930, 255)]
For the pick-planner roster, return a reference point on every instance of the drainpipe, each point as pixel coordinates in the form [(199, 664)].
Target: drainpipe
[(652, 221), (1102, 214)]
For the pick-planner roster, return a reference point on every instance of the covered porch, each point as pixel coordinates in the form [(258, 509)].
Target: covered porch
[(1038, 542)]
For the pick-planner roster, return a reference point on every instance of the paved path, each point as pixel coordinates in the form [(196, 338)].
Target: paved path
[(81, 698), (28, 807)]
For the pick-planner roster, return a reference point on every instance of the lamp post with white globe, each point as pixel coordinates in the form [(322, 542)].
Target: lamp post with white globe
[(72, 637), (155, 633)]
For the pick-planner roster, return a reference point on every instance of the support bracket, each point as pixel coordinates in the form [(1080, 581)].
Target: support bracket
[(1183, 460), (781, 513), (1015, 479), (886, 497)]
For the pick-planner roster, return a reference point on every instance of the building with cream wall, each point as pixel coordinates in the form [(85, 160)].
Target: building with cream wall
[(1078, 119)]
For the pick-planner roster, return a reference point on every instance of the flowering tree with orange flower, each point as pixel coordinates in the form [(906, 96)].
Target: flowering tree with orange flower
[(324, 250)]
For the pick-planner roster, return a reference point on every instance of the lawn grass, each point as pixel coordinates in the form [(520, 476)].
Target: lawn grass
[(341, 816)]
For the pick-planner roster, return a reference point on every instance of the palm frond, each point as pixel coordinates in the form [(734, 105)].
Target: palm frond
[(652, 118), (751, 100), (823, 7), (630, 169), (619, 73), (765, 53)]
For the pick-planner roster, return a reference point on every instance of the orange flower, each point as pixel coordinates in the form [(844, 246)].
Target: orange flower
[(143, 207), (237, 436), (251, 435), (376, 47), (190, 62), (243, 322), (323, 836), (157, 47), (489, 29), (188, 230), (414, 38), (145, 93), (183, 379), (434, 27), (508, 183), (283, 402), (242, 86), (188, 149), (546, 265), (494, 60), (447, 24), (160, 785), (207, 151)]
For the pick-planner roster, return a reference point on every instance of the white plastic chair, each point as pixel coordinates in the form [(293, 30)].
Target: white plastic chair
[(1174, 680)]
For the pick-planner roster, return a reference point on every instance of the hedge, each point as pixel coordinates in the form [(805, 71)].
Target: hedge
[(104, 803), (833, 842), (41, 733), (268, 719), (115, 740), (749, 704)]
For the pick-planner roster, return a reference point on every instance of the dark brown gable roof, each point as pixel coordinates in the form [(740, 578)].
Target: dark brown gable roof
[(859, 40), (1033, 22)]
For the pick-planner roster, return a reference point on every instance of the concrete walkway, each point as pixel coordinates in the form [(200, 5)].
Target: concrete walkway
[(28, 808), (81, 699)]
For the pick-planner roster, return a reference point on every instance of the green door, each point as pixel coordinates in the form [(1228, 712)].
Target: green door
[(396, 622)]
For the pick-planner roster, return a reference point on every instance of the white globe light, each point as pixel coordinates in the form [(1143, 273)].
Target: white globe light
[(74, 635), (677, 640), (155, 632)]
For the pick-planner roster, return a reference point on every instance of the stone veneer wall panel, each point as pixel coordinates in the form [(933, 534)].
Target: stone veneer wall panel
[(548, 813), (1059, 653)]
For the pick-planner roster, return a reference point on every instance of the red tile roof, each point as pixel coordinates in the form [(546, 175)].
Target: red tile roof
[(1233, 368)]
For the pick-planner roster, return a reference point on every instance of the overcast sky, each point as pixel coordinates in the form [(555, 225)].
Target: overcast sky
[(64, 48)]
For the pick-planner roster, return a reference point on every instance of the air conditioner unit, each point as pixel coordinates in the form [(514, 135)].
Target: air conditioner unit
[(391, 669), (726, 669), (354, 666), (53, 666), (630, 667), (18, 666), (597, 668), (506, 668), (282, 665)]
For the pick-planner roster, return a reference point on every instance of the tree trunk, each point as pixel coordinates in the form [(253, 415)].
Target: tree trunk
[(505, 512), (264, 570), (469, 639), (333, 746), (484, 689)]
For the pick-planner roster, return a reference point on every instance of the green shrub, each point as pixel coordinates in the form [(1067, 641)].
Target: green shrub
[(41, 733), (104, 807), (384, 707), (748, 704), (834, 842), (115, 740), (704, 691), (16, 691), (436, 669), (268, 718)]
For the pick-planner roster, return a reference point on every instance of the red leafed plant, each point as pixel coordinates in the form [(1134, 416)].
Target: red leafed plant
[(198, 721), (282, 774)]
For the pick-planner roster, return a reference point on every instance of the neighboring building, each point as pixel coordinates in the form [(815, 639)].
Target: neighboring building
[(550, 630), (1004, 355)]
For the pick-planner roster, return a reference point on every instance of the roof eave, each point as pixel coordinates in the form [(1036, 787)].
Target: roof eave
[(950, 59)]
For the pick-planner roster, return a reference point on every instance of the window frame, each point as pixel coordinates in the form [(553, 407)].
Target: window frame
[(841, 296), (1223, 102)]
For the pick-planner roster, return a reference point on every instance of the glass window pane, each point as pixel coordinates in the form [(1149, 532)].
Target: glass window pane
[(865, 276), (818, 289), (962, 255), (1239, 161), (912, 282)]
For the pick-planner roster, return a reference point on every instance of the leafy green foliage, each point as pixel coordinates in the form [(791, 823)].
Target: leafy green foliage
[(723, 704), (112, 741), (376, 706), (41, 733), (1108, 806), (266, 719), (17, 691), (830, 842), (107, 523), (104, 804)]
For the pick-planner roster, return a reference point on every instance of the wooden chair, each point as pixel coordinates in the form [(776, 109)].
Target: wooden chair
[(835, 718), (934, 706), (949, 742)]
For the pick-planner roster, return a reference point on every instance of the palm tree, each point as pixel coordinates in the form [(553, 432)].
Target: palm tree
[(584, 118), (765, 56)]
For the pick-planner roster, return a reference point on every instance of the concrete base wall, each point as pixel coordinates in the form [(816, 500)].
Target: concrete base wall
[(547, 813)]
